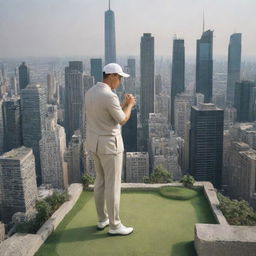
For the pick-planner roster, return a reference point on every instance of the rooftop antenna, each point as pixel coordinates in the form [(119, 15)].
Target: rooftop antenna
[(203, 21), (109, 4)]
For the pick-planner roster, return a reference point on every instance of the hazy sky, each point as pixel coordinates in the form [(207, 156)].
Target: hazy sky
[(76, 27)]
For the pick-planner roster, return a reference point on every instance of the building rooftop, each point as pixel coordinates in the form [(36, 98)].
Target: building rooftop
[(162, 226), (17, 153)]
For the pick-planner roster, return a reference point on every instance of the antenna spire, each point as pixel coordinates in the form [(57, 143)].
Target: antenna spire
[(109, 4), (203, 21)]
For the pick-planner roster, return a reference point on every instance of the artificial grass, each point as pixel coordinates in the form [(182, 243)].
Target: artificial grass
[(178, 193), (161, 227)]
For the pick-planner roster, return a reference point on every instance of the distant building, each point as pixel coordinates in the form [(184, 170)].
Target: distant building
[(110, 37), (24, 76), (178, 74), (206, 143), (132, 67), (74, 159), (33, 112), (147, 83), (158, 84), (162, 102), (1, 128), (183, 103), (74, 98), (129, 133), (96, 70), (137, 166), (52, 150), (245, 101), (12, 124), (147, 72), (52, 89), (18, 189), (234, 65), (204, 65)]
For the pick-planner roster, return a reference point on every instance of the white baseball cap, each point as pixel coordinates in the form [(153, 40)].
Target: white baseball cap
[(114, 68)]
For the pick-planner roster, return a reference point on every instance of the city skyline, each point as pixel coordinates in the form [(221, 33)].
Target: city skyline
[(34, 28)]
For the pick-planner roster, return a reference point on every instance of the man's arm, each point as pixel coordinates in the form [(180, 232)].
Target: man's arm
[(127, 107)]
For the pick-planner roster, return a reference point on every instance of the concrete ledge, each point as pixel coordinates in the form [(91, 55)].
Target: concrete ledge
[(28, 244), (212, 198), (223, 240)]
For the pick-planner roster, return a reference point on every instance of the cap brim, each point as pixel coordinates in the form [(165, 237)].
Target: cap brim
[(123, 74)]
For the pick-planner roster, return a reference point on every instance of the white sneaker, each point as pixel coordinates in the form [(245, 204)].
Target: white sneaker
[(120, 231), (102, 224)]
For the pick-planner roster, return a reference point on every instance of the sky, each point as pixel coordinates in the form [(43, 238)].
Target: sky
[(76, 27)]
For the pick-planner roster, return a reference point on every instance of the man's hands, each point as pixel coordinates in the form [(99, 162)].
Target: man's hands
[(127, 105), (129, 100)]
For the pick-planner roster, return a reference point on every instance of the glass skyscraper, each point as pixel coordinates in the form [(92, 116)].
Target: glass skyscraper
[(178, 74), (234, 65), (110, 36), (204, 65)]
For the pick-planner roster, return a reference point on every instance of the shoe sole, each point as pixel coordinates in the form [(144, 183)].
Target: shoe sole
[(101, 228), (118, 234)]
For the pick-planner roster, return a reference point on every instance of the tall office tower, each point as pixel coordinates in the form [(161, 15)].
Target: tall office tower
[(33, 111), (162, 103), (14, 85), (131, 64), (206, 143), (96, 69), (245, 101), (74, 98), (12, 124), (51, 89), (204, 65), (24, 77), (17, 182), (178, 74), (147, 76), (129, 133), (234, 65), (137, 166), (52, 149), (1, 128), (245, 95), (110, 36), (73, 158), (158, 84), (182, 104)]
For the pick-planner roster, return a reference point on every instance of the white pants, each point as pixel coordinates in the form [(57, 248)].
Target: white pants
[(107, 187)]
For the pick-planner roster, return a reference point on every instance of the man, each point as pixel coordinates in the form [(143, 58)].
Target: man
[(104, 115)]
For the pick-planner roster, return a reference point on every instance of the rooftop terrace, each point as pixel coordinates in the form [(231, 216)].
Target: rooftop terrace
[(162, 226)]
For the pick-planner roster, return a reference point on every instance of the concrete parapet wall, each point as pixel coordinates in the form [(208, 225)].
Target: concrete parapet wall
[(28, 244), (223, 240)]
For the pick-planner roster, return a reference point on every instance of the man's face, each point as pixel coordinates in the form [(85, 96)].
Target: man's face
[(116, 80)]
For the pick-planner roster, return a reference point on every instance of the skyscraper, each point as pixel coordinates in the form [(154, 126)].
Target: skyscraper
[(52, 150), (12, 124), (147, 83), (110, 36), (204, 65), (96, 69), (245, 101), (33, 112), (74, 97), (206, 143), (147, 76), (178, 74), (24, 77), (234, 65), (132, 67), (129, 133), (17, 182)]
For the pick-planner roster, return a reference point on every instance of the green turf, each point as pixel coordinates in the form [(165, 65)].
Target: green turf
[(178, 193), (161, 227)]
